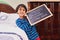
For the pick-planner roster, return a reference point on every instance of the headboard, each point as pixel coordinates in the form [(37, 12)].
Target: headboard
[(6, 8)]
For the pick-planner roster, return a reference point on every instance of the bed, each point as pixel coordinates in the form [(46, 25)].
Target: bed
[(8, 29)]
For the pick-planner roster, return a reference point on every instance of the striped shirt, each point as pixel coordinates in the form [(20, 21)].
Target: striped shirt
[(30, 30)]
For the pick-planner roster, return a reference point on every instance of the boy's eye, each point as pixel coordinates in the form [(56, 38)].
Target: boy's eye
[(20, 9), (23, 10)]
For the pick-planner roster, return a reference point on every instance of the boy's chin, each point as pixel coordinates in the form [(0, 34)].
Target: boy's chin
[(22, 16)]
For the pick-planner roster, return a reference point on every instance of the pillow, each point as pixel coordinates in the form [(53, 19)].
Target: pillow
[(8, 18)]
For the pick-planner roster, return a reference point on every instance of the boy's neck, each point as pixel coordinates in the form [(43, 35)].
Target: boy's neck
[(21, 17)]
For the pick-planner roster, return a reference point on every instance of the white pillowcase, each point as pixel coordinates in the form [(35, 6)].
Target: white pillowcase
[(8, 18)]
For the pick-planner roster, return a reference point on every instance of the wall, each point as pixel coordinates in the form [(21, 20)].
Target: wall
[(14, 3)]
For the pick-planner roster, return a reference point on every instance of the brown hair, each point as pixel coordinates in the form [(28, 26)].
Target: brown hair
[(22, 5)]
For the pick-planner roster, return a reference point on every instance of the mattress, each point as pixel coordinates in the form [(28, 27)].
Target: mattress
[(10, 32), (10, 36)]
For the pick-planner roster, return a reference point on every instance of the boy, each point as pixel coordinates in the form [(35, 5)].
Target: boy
[(23, 23)]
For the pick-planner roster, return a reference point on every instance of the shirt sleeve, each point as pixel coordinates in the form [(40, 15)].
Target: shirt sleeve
[(23, 26)]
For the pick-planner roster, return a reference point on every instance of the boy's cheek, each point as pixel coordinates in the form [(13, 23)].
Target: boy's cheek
[(24, 14), (18, 12)]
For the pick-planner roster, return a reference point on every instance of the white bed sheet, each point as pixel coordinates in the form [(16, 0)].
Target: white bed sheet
[(8, 25)]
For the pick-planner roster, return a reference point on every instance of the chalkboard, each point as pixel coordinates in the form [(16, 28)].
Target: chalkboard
[(38, 14)]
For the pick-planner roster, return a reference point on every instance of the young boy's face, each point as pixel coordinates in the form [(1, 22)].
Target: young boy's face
[(21, 11)]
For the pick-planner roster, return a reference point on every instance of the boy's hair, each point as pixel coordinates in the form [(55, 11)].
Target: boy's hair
[(22, 5)]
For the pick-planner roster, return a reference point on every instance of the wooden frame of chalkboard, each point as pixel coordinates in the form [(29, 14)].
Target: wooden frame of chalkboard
[(38, 14)]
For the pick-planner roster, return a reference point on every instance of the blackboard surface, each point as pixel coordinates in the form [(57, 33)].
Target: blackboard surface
[(38, 14)]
